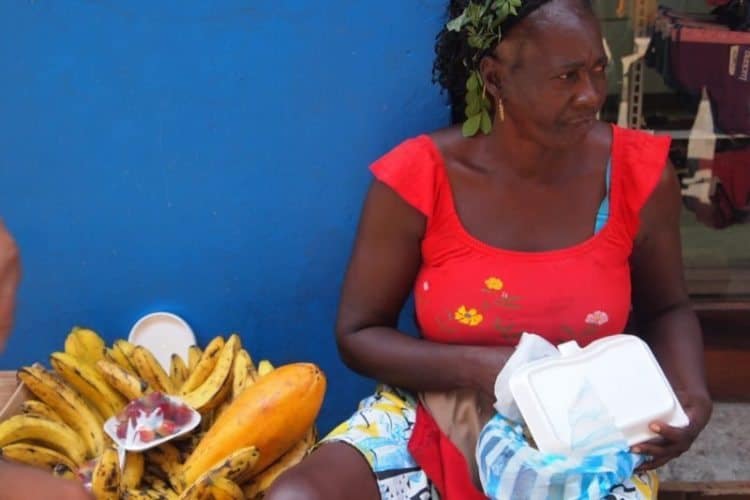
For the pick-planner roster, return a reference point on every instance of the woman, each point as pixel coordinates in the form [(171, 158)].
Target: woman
[(20, 482), (541, 224)]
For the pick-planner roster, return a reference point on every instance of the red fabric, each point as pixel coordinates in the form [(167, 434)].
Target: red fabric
[(441, 460), (468, 292)]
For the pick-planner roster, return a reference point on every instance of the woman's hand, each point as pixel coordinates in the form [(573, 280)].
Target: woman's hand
[(486, 363), (674, 441), (25, 483)]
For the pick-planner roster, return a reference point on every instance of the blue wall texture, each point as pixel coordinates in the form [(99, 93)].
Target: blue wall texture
[(207, 158)]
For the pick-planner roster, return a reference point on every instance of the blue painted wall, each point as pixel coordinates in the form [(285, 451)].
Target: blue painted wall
[(207, 158)]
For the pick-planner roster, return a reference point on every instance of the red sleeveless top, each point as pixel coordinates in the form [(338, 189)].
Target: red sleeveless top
[(468, 292)]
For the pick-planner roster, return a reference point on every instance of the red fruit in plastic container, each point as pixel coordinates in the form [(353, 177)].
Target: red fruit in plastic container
[(132, 410), (122, 430), (167, 428), (182, 415), (146, 435), (165, 409)]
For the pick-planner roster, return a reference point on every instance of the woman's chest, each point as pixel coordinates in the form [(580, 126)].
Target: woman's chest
[(479, 299), (527, 218)]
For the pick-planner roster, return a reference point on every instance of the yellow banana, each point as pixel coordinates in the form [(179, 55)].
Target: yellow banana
[(36, 456), (85, 345), (152, 475), (36, 407), (118, 357), (67, 403), (105, 482), (194, 356), (232, 467), (225, 489), (148, 494), (124, 382), (157, 488), (152, 480), (265, 367), (241, 375), (132, 472), (178, 371), (125, 349), (88, 382), (265, 479), (204, 367), (53, 434), (167, 458), (221, 400), (137, 494), (198, 491), (205, 395), (151, 371)]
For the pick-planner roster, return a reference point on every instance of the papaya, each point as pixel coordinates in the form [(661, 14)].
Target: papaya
[(273, 415)]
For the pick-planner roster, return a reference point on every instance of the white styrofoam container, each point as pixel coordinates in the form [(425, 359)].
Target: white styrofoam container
[(622, 371)]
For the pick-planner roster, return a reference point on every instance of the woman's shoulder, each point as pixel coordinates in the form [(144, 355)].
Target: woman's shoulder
[(413, 169), (639, 142), (643, 161)]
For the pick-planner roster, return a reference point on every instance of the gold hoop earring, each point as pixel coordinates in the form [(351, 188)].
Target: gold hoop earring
[(500, 110)]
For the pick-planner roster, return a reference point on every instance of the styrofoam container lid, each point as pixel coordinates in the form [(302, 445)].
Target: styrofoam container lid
[(622, 372), (163, 334)]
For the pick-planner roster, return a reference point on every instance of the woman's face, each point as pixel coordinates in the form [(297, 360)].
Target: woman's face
[(553, 82)]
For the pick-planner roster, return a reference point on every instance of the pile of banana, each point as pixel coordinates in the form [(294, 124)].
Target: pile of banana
[(255, 422)]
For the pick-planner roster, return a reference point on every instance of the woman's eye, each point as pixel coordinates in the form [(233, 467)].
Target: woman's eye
[(567, 76), (600, 68)]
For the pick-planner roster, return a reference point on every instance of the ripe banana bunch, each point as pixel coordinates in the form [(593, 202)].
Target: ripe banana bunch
[(68, 404), (226, 471), (123, 381), (208, 393), (61, 429), (36, 456), (149, 369), (132, 472), (88, 381), (167, 462), (86, 345), (55, 435), (105, 482)]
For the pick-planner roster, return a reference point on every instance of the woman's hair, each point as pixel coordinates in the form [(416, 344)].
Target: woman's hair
[(452, 49)]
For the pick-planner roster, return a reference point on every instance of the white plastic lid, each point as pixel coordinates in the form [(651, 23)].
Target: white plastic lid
[(622, 373), (163, 334)]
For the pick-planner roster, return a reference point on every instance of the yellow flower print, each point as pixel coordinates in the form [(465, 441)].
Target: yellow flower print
[(494, 284), (468, 316)]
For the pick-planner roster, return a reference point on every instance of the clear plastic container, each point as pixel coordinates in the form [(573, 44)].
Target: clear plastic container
[(150, 421)]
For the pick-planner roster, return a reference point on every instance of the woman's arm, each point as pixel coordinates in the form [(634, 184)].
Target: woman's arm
[(666, 319), (381, 274)]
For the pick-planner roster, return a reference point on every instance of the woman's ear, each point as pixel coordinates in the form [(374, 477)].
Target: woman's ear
[(490, 68)]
